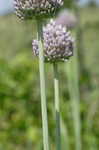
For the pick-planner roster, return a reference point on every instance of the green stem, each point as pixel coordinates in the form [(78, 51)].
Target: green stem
[(72, 75), (57, 108), (43, 94), (65, 137), (73, 82)]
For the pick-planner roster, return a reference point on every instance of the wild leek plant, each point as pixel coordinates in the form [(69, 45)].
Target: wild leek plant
[(54, 45), (38, 9), (73, 81), (57, 47), (68, 19)]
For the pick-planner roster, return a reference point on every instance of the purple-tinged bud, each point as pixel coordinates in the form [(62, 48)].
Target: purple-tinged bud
[(66, 18)]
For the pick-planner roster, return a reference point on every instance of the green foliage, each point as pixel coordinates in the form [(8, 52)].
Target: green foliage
[(20, 110)]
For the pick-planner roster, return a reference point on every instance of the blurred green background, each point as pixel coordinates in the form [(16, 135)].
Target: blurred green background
[(20, 110)]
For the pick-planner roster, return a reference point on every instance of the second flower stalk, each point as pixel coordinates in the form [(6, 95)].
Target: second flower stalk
[(54, 45)]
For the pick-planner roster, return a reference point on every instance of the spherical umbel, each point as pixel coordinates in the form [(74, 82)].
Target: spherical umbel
[(66, 18), (27, 9), (57, 42)]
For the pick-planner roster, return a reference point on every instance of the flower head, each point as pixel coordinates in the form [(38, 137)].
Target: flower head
[(57, 43), (27, 9), (66, 18)]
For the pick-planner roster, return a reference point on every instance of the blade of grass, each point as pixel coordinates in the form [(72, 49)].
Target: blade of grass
[(57, 107)]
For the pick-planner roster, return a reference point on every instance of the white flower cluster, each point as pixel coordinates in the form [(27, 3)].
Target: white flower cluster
[(30, 8), (58, 43)]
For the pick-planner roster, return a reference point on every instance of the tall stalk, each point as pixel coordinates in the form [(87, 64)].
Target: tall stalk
[(57, 107), (43, 92), (83, 72), (73, 83), (65, 137), (75, 100)]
